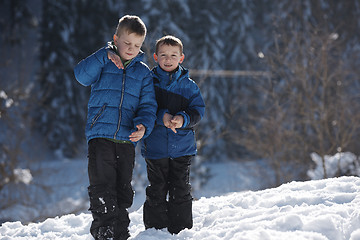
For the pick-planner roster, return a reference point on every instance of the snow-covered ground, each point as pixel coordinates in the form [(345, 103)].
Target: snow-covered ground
[(59, 187), (229, 206), (318, 210)]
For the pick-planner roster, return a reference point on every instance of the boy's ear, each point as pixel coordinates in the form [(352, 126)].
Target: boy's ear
[(182, 58), (115, 38), (155, 57)]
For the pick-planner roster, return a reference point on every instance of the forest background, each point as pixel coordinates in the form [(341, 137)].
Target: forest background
[(280, 78)]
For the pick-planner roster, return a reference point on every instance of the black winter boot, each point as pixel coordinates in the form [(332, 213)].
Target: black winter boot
[(105, 233), (108, 233), (155, 215)]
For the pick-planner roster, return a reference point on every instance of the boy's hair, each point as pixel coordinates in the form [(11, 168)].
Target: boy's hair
[(131, 24), (169, 40)]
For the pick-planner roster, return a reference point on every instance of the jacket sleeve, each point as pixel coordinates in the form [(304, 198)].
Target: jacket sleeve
[(195, 110), (160, 116), (88, 70), (146, 112)]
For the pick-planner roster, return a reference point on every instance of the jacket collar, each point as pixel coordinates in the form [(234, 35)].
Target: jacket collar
[(167, 78), (138, 58)]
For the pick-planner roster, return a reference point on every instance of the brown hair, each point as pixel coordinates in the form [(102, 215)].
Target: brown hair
[(169, 40), (131, 24)]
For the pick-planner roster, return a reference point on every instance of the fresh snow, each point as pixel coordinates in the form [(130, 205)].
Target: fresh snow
[(317, 209)]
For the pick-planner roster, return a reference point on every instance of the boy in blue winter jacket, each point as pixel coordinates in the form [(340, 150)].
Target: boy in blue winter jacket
[(170, 147), (121, 111)]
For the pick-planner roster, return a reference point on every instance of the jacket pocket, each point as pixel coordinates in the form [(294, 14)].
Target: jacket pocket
[(182, 143), (98, 114)]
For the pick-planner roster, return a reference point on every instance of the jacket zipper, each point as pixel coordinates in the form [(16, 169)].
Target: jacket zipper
[(121, 102), (168, 147), (170, 79)]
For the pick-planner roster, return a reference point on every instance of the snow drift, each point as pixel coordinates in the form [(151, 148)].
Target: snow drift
[(318, 209)]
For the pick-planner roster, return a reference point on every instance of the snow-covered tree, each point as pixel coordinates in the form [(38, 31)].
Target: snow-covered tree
[(18, 144), (298, 42), (70, 31)]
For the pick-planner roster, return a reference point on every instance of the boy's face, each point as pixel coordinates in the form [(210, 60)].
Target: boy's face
[(128, 45), (169, 57)]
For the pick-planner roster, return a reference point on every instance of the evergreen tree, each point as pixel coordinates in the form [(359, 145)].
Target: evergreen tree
[(222, 41), (70, 31), (18, 25), (283, 37)]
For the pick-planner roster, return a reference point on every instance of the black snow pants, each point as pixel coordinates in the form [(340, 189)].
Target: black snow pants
[(110, 170), (168, 177)]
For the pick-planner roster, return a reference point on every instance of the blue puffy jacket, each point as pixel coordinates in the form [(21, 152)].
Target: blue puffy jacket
[(120, 99), (176, 94)]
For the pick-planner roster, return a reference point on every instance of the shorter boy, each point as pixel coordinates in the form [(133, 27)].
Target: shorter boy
[(121, 111), (171, 145)]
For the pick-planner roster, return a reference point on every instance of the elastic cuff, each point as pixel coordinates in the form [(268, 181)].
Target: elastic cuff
[(160, 116), (186, 118)]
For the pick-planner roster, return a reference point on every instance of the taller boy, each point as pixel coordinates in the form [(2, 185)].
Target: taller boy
[(169, 148), (121, 111)]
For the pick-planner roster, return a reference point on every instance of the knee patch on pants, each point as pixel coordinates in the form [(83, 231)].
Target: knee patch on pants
[(101, 201)]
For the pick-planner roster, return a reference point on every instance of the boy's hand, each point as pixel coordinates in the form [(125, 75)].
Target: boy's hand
[(115, 59), (177, 122), (137, 135), (167, 121)]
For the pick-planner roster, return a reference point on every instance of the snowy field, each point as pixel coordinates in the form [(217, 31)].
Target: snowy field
[(59, 187), (229, 206), (318, 210)]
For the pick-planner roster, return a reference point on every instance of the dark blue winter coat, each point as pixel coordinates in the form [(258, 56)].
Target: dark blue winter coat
[(176, 94), (120, 99)]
